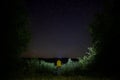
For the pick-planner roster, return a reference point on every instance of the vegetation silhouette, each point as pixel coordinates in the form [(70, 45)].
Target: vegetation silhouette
[(17, 36), (102, 58), (105, 39)]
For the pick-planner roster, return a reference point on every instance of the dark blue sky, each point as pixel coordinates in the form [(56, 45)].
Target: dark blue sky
[(60, 27)]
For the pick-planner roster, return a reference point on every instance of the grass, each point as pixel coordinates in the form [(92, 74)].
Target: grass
[(45, 72), (51, 77)]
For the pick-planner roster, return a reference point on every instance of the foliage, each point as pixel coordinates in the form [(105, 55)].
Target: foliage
[(105, 37), (47, 67), (69, 67), (36, 66), (16, 35), (87, 59)]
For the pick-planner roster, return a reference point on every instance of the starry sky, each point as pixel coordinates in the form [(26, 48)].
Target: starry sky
[(60, 27)]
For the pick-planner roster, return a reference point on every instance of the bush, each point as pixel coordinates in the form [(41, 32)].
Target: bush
[(82, 66)]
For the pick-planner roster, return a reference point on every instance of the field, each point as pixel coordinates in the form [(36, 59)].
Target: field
[(61, 78), (40, 70)]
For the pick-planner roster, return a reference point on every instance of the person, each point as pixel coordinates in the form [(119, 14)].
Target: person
[(59, 64)]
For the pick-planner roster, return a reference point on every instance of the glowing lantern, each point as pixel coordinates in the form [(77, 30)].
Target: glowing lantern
[(59, 63)]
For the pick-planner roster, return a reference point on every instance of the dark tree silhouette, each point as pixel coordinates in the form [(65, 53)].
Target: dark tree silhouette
[(106, 38), (16, 34)]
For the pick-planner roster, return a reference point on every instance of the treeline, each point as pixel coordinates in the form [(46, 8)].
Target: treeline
[(105, 32), (16, 35), (52, 60), (35, 66)]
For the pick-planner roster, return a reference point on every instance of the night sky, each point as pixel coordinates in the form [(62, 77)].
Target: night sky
[(60, 27)]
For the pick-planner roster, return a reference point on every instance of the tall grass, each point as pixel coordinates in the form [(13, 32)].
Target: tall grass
[(36, 66)]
